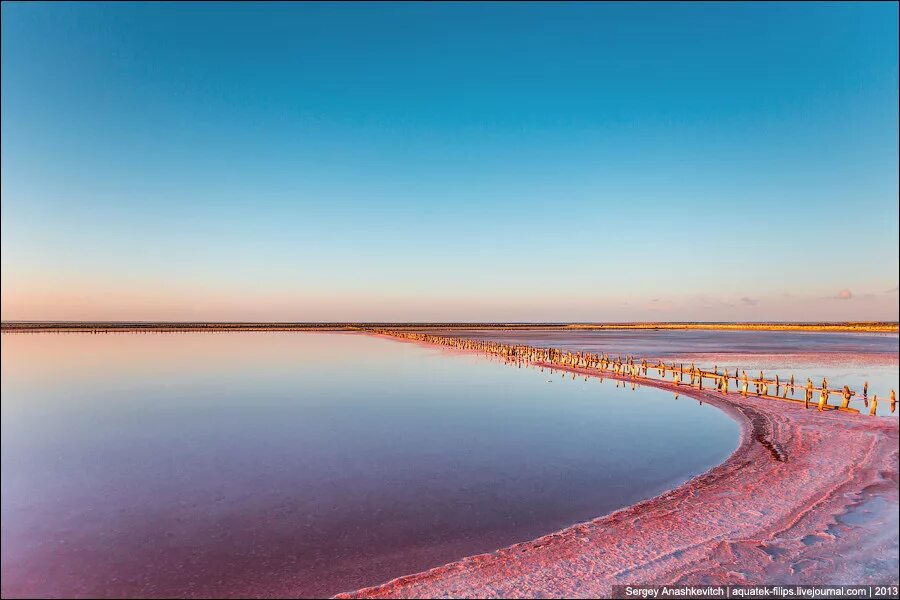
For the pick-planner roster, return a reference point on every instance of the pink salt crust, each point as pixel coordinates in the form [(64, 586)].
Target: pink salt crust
[(807, 498)]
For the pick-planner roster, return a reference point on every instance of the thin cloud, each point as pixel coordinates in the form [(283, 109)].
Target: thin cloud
[(710, 302), (841, 295), (750, 301)]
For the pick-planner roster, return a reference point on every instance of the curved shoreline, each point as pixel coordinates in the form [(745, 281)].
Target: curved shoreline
[(806, 497)]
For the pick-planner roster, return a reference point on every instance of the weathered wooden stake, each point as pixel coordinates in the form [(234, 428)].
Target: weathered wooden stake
[(823, 398), (845, 394)]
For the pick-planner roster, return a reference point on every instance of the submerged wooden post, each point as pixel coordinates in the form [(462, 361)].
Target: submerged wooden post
[(809, 389)]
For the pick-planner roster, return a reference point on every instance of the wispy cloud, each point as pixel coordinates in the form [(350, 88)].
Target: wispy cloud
[(711, 302), (750, 301)]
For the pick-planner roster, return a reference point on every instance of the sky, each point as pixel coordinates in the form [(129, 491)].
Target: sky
[(449, 162)]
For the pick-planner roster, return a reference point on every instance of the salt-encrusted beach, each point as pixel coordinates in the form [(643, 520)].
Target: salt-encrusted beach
[(808, 497)]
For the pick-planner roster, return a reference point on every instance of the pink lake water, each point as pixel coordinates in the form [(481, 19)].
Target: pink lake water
[(305, 464)]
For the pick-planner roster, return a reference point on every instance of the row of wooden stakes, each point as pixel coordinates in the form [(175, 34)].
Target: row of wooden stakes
[(640, 368)]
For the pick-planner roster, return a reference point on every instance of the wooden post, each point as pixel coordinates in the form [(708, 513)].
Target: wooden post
[(874, 405), (823, 398), (845, 394)]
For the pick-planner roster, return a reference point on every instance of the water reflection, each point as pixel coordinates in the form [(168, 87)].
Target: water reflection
[(843, 358), (274, 464)]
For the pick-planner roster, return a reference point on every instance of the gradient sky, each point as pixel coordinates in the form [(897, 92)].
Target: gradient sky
[(514, 162)]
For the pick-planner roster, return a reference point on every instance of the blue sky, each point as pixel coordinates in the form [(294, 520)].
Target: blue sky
[(450, 161)]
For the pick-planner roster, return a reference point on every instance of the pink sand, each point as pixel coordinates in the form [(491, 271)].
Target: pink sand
[(807, 498)]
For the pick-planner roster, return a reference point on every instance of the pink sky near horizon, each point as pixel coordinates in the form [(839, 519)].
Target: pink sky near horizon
[(107, 300)]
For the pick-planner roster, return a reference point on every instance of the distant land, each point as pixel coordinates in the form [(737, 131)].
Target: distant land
[(134, 326)]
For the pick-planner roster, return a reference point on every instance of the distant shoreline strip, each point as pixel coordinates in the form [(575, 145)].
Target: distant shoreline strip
[(172, 326)]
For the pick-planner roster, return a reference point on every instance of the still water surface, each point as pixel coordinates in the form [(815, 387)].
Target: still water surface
[(272, 464), (669, 342), (843, 358)]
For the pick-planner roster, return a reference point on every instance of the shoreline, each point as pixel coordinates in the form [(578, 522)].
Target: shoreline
[(167, 326), (806, 498)]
